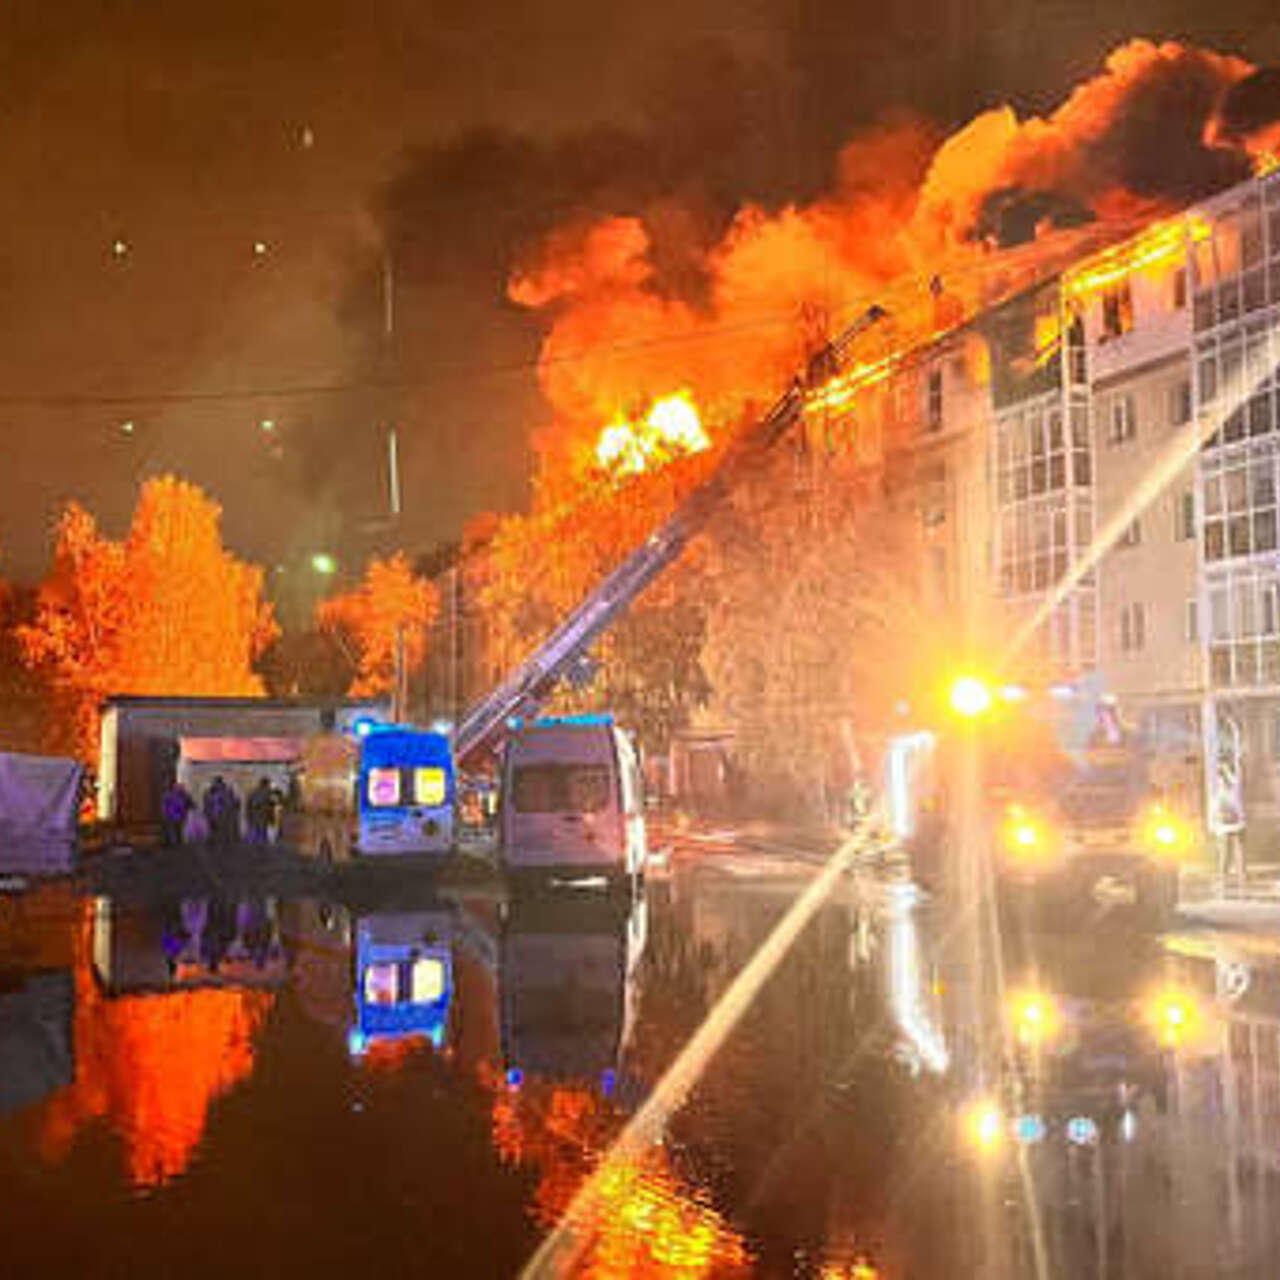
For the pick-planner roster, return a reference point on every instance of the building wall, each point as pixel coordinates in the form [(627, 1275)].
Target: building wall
[(140, 736), (1149, 649)]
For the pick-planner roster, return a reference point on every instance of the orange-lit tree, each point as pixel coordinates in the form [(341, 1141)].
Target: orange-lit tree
[(167, 610), (390, 602)]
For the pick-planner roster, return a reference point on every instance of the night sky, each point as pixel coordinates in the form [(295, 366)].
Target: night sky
[(450, 136)]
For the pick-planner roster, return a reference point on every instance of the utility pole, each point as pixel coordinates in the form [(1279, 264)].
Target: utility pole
[(400, 689)]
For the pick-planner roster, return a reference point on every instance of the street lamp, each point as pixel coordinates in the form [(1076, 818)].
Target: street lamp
[(324, 564)]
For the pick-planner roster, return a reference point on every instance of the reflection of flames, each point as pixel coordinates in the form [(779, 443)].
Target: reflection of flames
[(670, 428), (153, 1064), (646, 1222)]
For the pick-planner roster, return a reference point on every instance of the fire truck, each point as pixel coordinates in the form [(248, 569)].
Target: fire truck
[(1057, 789)]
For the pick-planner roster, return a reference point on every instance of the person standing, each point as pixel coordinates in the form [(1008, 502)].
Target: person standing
[(217, 805), (259, 808), (174, 807)]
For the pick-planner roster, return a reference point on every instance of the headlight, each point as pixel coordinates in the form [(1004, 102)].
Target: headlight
[(984, 1126), (1024, 835), (1174, 1016), (1165, 834), (1034, 1017)]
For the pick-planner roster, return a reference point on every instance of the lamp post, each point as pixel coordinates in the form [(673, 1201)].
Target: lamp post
[(400, 689)]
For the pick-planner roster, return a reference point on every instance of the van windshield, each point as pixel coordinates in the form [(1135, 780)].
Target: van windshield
[(561, 788)]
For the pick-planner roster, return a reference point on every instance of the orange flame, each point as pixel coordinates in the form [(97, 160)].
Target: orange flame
[(1161, 245), (670, 428)]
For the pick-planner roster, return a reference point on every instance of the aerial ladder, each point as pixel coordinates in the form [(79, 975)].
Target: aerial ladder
[(486, 723)]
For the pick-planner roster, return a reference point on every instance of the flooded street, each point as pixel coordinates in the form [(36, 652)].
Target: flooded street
[(218, 1066)]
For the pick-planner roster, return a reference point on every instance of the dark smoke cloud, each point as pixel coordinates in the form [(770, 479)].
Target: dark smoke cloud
[(1136, 138), (1250, 107)]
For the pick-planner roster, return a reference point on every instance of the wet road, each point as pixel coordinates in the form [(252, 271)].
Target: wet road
[(213, 1069)]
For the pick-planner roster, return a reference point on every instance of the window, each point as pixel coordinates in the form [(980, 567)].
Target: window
[(933, 406), (381, 983), (1132, 535), (1240, 506), (1122, 423), (1192, 622), (1133, 628), (561, 788), (429, 785), (384, 788), (426, 980), (1184, 519), (1244, 626), (1179, 289), (1180, 402), (1117, 311)]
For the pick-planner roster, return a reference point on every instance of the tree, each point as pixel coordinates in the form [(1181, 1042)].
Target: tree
[(168, 610), (391, 601)]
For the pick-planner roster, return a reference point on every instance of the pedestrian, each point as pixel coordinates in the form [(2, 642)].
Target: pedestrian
[(259, 809), (174, 807), (218, 803)]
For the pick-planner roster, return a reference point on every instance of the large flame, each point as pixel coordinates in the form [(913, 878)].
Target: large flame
[(920, 226), (671, 427)]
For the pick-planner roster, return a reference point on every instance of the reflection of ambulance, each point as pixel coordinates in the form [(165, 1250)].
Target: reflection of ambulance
[(404, 978), (387, 790), (567, 977)]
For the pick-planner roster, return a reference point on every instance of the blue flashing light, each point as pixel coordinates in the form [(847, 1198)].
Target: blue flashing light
[(1029, 1129), (357, 1043), (607, 1082), (586, 718), (1082, 1130), (515, 1078)]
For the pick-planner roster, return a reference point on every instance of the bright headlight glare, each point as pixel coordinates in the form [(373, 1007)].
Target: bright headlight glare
[(1165, 833), (1034, 1017)]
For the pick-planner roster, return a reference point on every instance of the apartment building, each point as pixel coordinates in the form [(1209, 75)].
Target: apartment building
[(1234, 278)]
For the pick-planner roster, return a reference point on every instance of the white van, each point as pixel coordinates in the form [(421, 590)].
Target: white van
[(572, 799)]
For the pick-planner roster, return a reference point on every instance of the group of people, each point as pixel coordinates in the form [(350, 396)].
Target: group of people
[(221, 819)]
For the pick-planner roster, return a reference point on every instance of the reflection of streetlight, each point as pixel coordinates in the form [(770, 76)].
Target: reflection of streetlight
[(324, 564)]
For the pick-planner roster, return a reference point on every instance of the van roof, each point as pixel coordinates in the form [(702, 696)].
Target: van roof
[(592, 719)]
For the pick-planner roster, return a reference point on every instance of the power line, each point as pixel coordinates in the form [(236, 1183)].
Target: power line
[(891, 290)]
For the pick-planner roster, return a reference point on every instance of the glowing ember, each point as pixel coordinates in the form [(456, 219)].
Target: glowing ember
[(671, 428)]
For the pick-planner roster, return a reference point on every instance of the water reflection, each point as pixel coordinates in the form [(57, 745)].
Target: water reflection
[(1131, 1125), (474, 1054)]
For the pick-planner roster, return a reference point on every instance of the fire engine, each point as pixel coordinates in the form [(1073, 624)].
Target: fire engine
[(1057, 789)]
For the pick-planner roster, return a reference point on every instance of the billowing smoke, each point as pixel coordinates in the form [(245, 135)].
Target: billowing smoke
[(1160, 126)]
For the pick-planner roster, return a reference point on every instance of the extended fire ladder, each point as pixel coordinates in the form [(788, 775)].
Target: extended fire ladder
[(484, 724)]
